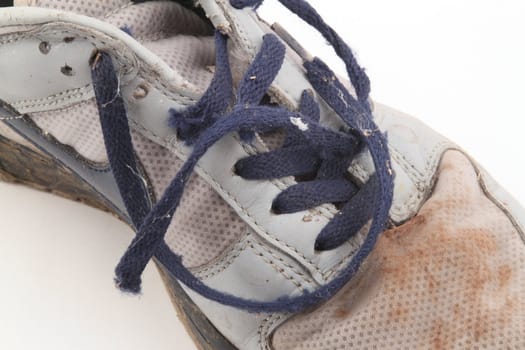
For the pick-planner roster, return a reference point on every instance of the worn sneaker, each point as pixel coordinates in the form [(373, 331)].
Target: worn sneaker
[(284, 208)]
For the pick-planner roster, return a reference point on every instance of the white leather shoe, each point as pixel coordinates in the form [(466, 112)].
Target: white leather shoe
[(313, 218)]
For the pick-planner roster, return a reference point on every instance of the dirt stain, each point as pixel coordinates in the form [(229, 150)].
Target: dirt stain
[(438, 341), (428, 251), (398, 313), (504, 275), (342, 313), (442, 260)]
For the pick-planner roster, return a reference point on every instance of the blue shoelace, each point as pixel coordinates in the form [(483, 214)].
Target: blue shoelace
[(317, 156)]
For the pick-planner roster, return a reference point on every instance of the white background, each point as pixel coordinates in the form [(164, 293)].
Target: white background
[(456, 64)]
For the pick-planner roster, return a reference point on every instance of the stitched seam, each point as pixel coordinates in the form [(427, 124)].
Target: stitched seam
[(409, 203), (276, 267), (118, 9), (261, 328), (430, 164), (69, 108), (143, 73), (408, 168), (50, 97), (283, 263), (241, 34), (68, 95), (265, 327), (244, 211), (490, 188), (153, 36), (161, 86), (12, 38), (406, 164), (11, 118), (344, 261), (431, 161), (88, 37), (223, 263)]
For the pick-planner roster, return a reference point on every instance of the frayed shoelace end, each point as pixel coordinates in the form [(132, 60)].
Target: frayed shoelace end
[(127, 286)]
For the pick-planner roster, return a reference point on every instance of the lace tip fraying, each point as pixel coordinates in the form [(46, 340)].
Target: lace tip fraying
[(128, 287)]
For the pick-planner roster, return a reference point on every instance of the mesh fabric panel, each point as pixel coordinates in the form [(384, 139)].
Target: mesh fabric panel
[(152, 21), (204, 224), (77, 126), (190, 56), (451, 278), (178, 36)]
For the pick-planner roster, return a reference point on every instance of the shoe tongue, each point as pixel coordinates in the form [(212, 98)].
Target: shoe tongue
[(173, 32)]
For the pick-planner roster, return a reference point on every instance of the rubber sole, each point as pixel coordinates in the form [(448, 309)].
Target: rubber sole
[(22, 165)]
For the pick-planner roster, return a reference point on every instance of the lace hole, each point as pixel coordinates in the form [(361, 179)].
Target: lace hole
[(275, 209), (67, 70), (141, 91), (44, 47), (318, 247), (235, 169)]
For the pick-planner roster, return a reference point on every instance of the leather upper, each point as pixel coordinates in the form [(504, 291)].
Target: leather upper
[(279, 259)]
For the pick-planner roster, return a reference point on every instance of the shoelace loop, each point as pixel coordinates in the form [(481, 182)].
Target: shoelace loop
[(326, 152)]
